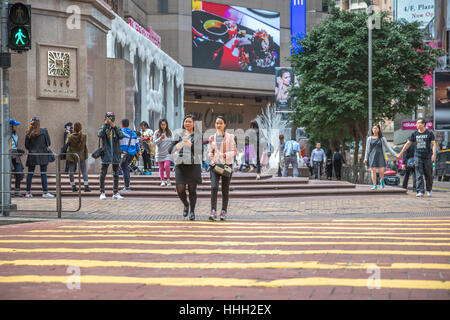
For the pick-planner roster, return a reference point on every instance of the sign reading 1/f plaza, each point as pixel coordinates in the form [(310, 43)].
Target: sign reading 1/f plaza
[(19, 27)]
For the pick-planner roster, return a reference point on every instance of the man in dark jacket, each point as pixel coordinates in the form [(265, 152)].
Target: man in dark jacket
[(110, 135), (409, 167), (338, 160)]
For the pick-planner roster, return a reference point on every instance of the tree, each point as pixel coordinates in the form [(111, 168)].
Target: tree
[(332, 69)]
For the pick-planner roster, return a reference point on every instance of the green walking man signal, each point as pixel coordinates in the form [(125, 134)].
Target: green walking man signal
[(20, 36), (19, 26)]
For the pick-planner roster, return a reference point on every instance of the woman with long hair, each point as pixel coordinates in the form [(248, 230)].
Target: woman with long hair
[(188, 166), (163, 141), (376, 145), (77, 143), (147, 136), (222, 150), (37, 142)]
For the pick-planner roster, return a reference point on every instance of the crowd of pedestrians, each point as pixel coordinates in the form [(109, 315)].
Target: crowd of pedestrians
[(123, 147)]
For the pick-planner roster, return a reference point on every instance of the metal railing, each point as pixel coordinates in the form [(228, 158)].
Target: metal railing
[(59, 209)]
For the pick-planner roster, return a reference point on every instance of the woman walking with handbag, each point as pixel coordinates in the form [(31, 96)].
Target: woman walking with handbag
[(37, 142), (375, 155), (188, 165), (77, 143), (222, 150), (163, 141)]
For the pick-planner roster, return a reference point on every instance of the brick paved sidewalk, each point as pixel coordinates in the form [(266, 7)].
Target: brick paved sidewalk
[(282, 208)]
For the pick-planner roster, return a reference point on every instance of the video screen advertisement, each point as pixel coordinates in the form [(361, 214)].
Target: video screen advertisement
[(233, 38), (442, 101)]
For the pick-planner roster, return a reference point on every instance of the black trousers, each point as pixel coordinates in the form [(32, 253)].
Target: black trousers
[(424, 167), (215, 177), (103, 172), (18, 173), (317, 169), (337, 170), (409, 171), (147, 161)]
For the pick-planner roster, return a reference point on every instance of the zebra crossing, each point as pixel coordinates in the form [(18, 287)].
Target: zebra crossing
[(291, 259)]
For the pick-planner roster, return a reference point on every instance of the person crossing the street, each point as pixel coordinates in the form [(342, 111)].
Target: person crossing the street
[(424, 156)]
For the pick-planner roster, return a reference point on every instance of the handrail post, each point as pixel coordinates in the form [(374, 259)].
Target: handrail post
[(58, 187)]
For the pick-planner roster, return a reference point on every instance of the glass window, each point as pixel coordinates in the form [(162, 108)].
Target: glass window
[(163, 6)]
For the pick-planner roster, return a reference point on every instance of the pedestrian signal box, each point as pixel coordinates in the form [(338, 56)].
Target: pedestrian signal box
[(19, 26)]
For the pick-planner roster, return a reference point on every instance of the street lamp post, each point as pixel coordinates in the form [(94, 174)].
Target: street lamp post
[(370, 27)]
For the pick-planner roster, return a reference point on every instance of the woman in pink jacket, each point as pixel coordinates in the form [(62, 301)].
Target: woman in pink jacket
[(222, 150)]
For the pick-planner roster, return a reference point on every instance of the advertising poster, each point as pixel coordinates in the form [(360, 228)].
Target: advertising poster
[(415, 10), (298, 23), (233, 38), (283, 83), (442, 101)]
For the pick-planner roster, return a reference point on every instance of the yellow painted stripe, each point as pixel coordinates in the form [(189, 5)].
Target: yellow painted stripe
[(232, 282), (214, 236), (183, 232), (238, 223), (224, 251), (396, 220), (221, 265), (231, 243), (194, 226)]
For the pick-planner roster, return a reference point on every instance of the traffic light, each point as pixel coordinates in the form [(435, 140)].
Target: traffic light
[(19, 26)]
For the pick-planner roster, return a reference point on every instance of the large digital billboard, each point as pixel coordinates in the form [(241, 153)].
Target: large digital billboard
[(298, 23), (442, 101), (234, 38)]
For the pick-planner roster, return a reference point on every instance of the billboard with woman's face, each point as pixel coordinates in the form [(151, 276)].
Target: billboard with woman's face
[(283, 83), (234, 38)]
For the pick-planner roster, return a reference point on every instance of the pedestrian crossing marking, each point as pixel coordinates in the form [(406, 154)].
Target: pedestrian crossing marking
[(193, 226), (251, 224), (235, 231), (229, 243), (223, 251), (214, 236), (232, 282), (221, 265)]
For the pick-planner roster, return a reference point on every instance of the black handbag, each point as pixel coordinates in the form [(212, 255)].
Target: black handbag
[(99, 152), (63, 151), (223, 169), (51, 155)]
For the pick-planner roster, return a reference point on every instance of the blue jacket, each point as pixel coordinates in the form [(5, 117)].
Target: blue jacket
[(134, 143)]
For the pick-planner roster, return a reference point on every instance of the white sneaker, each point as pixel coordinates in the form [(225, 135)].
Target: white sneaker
[(117, 196), (420, 194), (28, 195), (48, 195), (428, 193), (102, 196), (168, 183), (163, 184)]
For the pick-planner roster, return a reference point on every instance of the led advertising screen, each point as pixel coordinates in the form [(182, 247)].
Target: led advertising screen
[(298, 23), (442, 101), (234, 38)]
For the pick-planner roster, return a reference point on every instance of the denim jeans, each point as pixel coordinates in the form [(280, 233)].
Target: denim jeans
[(424, 167), (125, 166), (317, 169), (30, 174), (290, 160), (73, 168)]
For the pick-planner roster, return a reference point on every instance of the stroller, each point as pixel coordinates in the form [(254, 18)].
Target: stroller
[(391, 178), (134, 167)]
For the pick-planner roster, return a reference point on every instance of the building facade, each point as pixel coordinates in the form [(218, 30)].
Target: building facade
[(86, 60)]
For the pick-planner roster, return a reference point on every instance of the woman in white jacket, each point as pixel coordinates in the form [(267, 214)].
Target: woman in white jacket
[(376, 147)]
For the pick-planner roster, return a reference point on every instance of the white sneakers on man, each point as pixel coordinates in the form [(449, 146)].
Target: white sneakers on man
[(420, 194), (117, 196), (102, 196), (48, 195), (428, 193)]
